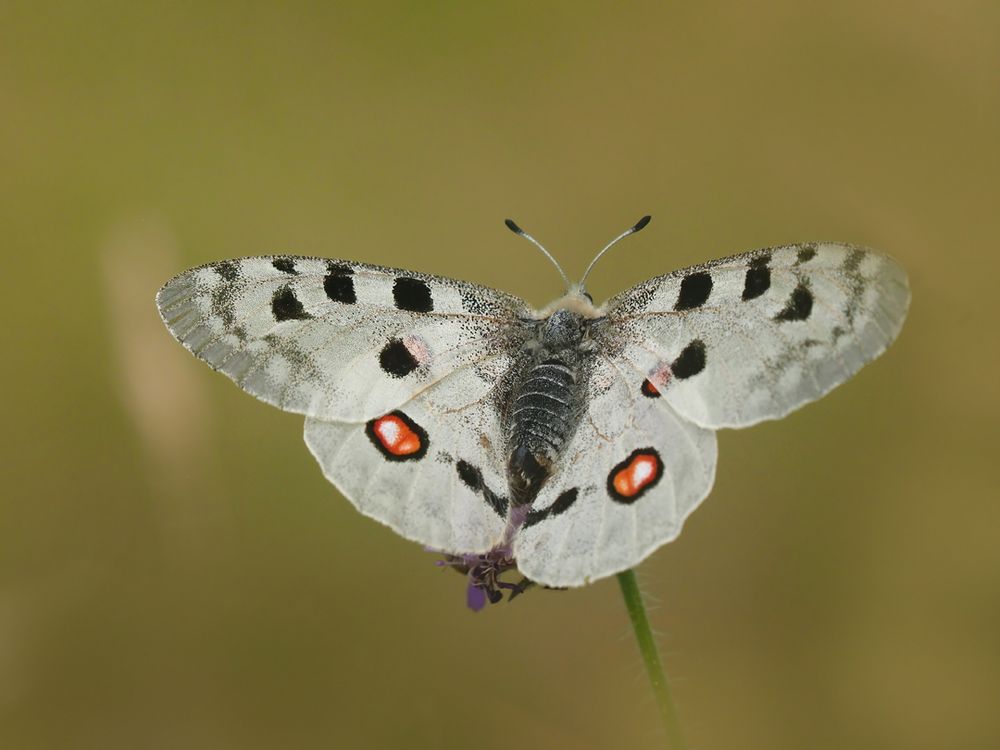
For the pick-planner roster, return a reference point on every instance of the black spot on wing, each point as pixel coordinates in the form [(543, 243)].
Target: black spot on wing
[(471, 476), (856, 284), (852, 263), (757, 281), (806, 253), (222, 304), (691, 360), (412, 294), (798, 307), (695, 288), (560, 505), (339, 284), (396, 360), (285, 265), (286, 306), (228, 270), (495, 501), (758, 277)]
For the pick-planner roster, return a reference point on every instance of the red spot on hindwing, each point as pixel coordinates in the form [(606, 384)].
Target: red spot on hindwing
[(630, 479), (658, 380), (397, 437)]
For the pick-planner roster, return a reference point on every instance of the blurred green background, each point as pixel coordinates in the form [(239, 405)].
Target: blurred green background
[(174, 570)]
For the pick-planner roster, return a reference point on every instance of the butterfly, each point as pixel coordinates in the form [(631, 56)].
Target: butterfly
[(576, 439)]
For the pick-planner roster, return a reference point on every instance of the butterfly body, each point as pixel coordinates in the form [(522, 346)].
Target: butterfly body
[(577, 438), (544, 407)]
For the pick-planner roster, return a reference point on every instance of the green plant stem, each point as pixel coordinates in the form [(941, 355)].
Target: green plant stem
[(651, 658)]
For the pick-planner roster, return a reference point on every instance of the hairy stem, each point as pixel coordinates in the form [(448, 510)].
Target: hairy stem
[(651, 658)]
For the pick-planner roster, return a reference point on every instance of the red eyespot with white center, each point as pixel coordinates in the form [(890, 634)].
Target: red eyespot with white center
[(634, 476), (397, 437)]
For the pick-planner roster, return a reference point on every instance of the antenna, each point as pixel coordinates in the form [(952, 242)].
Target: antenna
[(638, 226), (517, 230)]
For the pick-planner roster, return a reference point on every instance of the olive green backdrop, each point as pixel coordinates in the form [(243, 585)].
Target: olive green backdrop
[(174, 570)]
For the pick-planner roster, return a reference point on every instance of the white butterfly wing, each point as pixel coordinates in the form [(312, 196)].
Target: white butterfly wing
[(752, 337), (335, 339), (632, 473), (431, 471)]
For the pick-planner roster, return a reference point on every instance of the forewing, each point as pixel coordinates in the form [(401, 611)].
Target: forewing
[(632, 473), (430, 471), (754, 336), (339, 340)]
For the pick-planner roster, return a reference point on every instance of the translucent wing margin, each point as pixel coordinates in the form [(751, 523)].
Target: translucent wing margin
[(752, 337), (339, 340)]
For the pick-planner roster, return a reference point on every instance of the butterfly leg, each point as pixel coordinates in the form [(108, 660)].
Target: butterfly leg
[(516, 589)]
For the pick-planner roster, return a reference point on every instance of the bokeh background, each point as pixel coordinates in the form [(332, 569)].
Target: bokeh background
[(174, 570)]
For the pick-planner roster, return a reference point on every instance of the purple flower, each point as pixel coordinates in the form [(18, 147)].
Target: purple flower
[(484, 570), (475, 597)]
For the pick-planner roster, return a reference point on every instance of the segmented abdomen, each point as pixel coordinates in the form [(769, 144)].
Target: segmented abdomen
[(543, 411)]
